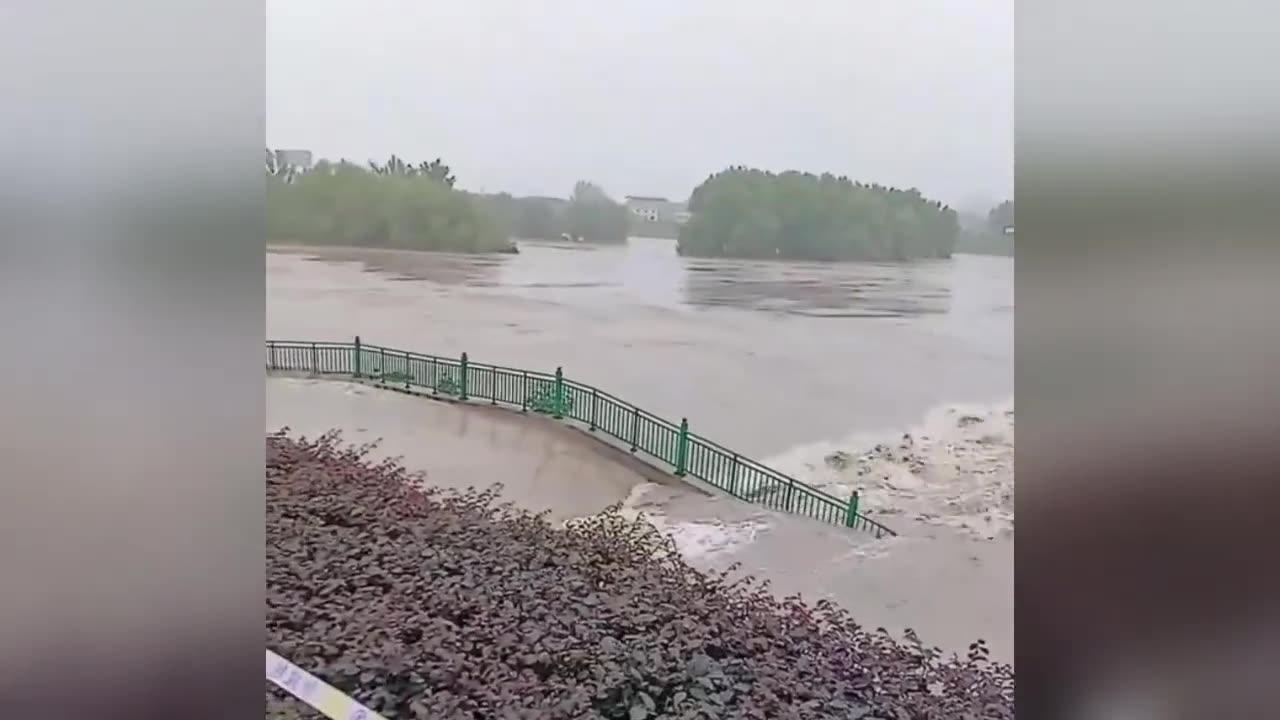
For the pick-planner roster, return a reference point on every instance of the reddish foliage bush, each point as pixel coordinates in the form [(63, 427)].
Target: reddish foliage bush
[(423, 603)]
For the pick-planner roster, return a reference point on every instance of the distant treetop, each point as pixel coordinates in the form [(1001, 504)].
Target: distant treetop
[(745, 212), (1001, 216)]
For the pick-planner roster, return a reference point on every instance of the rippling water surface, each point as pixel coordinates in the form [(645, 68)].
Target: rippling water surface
[(761, 355), (895, 380)]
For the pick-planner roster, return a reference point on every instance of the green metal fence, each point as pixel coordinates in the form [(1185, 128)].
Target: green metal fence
[(553, 395)]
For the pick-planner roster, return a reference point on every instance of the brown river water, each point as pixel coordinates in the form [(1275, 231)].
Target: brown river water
[(895, 380)]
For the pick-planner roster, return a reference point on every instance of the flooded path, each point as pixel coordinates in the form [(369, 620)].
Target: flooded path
[(540, 465), (760, 357), (895, 380), (948, 586)]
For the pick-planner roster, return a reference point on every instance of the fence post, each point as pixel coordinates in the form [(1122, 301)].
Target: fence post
[(791, 493), (462, 380), (524, 391), (382, 365), (558, 400), (593, 409), (315, 360), (271, 355), (408, 374), (682, 448), (733, 477), (355, 365), (635, 428), (851, 514)]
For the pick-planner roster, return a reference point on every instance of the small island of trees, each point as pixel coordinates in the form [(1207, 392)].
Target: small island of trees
[(750, 213), (394, 204)]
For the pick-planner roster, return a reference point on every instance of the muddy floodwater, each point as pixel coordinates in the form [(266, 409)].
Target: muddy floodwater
[(895, 380)]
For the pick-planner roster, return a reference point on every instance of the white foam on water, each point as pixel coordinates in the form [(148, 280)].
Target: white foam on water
[(692, 538), (955, 468), (699, 539)]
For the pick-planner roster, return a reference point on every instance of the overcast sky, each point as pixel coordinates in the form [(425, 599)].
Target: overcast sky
[(647, 97)]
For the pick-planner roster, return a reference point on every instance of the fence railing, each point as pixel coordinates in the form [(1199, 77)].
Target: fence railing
[(553, 395)]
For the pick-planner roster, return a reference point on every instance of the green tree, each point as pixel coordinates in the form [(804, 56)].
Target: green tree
[(278, 169), (743, 212), (528, 218), (437, 170), (538, 218), (594, 216), (395, 165), (388, 205), (589, 213), (1000, 216)]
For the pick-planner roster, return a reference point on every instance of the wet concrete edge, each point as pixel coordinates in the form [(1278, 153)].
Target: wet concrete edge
[(602, 445)]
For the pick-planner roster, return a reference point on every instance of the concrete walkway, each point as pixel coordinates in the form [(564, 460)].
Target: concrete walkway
[(542, 466)]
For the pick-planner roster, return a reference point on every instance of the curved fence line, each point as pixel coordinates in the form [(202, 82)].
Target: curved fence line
[(553, 395)]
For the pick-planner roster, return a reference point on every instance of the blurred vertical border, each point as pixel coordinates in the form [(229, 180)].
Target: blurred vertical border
[(131, 403), (1148, 180)]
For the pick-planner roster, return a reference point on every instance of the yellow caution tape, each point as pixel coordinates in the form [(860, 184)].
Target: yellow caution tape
[(315, 692)]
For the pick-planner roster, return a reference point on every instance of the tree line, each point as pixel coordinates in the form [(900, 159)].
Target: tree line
[(386, 205), (987, 234), (749, 213), (1000, 217), (740, 212), (589, 213), (416, 206)]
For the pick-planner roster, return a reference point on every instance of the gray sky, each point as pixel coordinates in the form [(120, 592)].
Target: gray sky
[(647, 97)]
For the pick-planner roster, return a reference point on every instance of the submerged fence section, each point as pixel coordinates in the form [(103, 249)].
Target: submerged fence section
[(554, 395)]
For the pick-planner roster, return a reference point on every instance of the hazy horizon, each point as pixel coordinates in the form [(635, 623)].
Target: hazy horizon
[(648, 98)]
